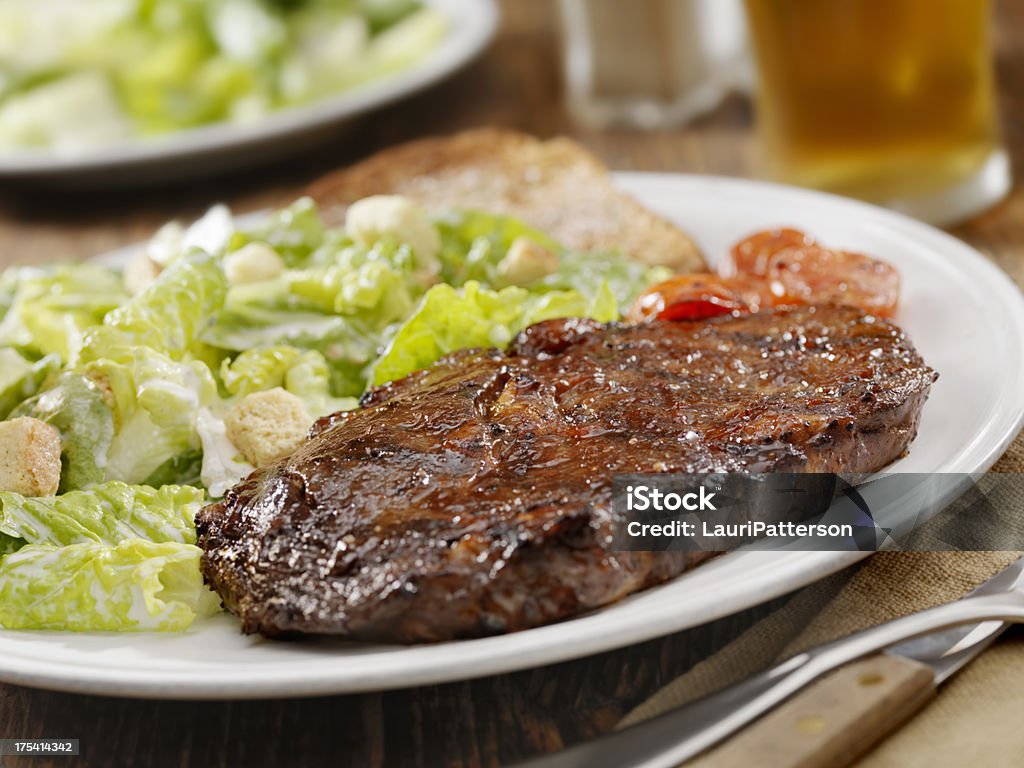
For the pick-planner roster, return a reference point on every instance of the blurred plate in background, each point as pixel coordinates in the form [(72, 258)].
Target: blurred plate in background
[(216, 147)]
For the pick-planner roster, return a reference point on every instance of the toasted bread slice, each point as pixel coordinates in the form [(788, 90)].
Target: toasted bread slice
[(556, 186)]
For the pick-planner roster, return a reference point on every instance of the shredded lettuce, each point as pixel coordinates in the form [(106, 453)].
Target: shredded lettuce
[(104, 514), (135, 585)]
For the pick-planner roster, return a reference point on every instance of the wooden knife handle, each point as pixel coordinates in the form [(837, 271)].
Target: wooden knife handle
[(834, 721)]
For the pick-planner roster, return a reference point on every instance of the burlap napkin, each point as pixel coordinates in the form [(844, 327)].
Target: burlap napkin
[(976, 720)]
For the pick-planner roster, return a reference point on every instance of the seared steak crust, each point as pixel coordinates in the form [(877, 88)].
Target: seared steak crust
[(475, 497)]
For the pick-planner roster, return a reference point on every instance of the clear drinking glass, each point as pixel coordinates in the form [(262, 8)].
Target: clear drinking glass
[(891, 101), (650, 63)]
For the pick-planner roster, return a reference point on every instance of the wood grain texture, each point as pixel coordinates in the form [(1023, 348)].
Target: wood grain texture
[(833, 722), (486, 722)]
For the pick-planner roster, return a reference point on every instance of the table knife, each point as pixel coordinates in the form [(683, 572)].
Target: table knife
[(836, 720)]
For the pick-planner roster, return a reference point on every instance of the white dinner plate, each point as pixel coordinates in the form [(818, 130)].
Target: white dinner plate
[(472, 24), (964, 315)]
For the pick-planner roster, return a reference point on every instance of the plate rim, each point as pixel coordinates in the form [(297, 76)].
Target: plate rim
[(541, 646), (473, 23)]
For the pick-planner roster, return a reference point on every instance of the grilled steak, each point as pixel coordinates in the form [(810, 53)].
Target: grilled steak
[(475, 497)]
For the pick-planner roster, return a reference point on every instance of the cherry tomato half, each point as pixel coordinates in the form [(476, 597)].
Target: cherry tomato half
[(775, 268), (751, 255), (816, 275), (689, 297)]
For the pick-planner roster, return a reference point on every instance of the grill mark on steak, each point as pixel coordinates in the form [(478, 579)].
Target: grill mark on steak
[(474, 497)]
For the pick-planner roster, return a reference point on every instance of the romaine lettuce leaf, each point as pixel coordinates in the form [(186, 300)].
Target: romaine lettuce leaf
[(473, 242), (210, 233), (258, 369), (143, 355), (348, 344), (52, 307), (135, 585), (381, 14), (9, 280), (76, 407), (343, 304), (449, 319), (125, 67), (586, 272), (310, 379), (379, 284), (294, 232), (304, 373), (157, 404), (104, 514), (399, 46), (9, 544), (21, 379), (152, 91), (27, 119), (168, 317), (183, 469), (223, 465)]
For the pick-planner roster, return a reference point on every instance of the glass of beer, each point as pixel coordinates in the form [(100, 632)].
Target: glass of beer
[(891, 101)]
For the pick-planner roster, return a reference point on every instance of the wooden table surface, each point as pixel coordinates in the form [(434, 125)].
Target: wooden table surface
[(490, 721)]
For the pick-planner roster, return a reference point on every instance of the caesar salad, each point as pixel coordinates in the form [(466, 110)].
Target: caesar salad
[(131, 395), (75, 76)]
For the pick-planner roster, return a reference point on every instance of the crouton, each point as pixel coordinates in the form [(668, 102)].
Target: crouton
[(29, 457), (102, 384), (373, 218), (251, 263), (526, 262), (266, 426), (140, 273)]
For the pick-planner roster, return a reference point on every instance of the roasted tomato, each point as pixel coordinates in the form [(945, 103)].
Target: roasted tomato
[(816, 275), (689, 297), (775, 268), (751, 256)]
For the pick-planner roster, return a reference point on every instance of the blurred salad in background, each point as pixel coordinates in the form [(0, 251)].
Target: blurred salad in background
[(130, 395), (76, 74)]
